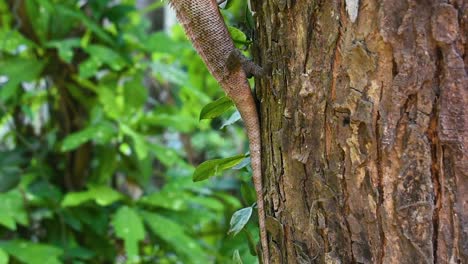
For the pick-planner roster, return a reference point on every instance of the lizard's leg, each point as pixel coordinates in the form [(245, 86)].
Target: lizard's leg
[(236, 58)]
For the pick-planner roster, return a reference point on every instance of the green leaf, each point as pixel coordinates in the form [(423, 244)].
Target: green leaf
[(106, 56), (213, 167), (248, 193), (165, 155), (236, 258), (229, 3), (18, 70), (238, 36), (32, 253), (101, 132), (129, 227), (12, 209), (161, 42), (139, 141), (3, 257), (172, 200), (216, 108), (12, 41), (89, 67), (250, 242), (232, 119), (171, 73), (93, 26), (102, 195), (64, 47), (178, 122), (118, 12), (10, 169), (239, 219), (173, 234)]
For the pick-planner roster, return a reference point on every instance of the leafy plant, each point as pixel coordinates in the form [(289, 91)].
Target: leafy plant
[(100, 138)]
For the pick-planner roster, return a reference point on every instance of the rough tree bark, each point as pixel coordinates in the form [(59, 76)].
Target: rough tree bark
[(365, 130)]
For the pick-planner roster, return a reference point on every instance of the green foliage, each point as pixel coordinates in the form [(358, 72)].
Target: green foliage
[(215, 166), (101, 141), (33, 253), (239, 220)]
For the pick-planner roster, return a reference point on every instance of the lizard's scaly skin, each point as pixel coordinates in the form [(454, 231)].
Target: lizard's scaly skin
[(206, 29)]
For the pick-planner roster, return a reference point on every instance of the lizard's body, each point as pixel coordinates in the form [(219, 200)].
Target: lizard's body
[(206, 29)]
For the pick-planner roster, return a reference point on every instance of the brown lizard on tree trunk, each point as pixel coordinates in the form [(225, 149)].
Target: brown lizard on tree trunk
[(206, 29)]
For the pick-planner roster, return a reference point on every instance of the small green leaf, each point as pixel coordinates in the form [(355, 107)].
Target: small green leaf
[(3, 257), (248, 193), (101, 132), (64, 47), (244, 163), (32, 253), (89, 67), (172, 200), (13, 41), (239, 219), (17, 70), (129, 227), (238, 36), (102, 195), (12, 209), (232, 119), (139, 141), (216, 108), (236, 258), (107, 56), (11, 163), (213, 167)]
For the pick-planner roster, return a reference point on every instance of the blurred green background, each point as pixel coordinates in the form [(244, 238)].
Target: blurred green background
[(116, 145)]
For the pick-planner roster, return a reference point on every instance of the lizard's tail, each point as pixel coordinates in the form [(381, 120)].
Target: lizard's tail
[(248, 111)]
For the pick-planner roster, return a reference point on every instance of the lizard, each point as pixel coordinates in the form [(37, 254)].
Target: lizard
[(205, 27)]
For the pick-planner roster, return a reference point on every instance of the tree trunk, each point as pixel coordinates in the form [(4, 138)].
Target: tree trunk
[(365, 130)]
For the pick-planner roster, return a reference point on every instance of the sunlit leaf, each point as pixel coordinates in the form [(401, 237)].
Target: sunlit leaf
[(237, 35), (170, 73), (32, 253), (13, 42), (107, 56), (12, 209), (3, 257), (17, 70), (239, 219), (215, 166), (216, 108), (129, 227), (141, 148), (102, 195), (64, 47), (101, 132), (171, 200)]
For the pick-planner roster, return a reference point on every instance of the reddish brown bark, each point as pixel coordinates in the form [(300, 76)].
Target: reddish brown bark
[(365, 130)]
